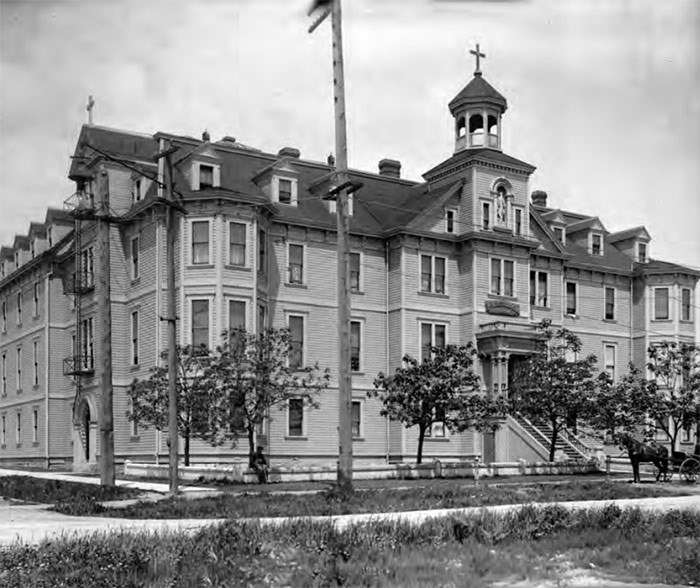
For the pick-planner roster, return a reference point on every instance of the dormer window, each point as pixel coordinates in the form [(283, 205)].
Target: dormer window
[(136, 190), (450, 215), (2, 269), (206, 176), (285, 190), (559, 234), (32, 249), (642, 253), (16, 259), (596, 244)]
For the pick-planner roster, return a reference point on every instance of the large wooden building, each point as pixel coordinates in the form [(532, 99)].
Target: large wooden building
[(469, 254)]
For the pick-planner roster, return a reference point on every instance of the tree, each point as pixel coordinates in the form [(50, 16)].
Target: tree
[(675, 387), (619, 407), (441, 388), (197, 399), (551, 384), (254, 375)]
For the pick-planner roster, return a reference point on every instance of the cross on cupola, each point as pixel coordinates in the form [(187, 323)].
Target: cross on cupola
[(478, 54)]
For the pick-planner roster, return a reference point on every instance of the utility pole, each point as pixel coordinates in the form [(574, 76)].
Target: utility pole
[(342, 186), (104, 311), (171, 319)]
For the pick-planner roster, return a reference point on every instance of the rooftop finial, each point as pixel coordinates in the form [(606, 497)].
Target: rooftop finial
[(89, 107), (478, 54)]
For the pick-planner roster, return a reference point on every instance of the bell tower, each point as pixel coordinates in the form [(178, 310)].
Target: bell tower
[(477, 111)]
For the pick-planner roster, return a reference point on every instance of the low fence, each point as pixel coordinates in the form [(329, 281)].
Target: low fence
[(242, 474)]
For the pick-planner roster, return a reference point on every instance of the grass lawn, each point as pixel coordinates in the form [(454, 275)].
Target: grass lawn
[(30, 489), (329, 502), (522, 546)]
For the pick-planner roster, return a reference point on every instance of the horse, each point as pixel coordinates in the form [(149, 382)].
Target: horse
[(644, 452)]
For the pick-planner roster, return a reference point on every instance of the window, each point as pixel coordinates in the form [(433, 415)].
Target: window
[(200, 323), (685, 434), (609, 304), (4, 374), (2, 269), (485, 215), (4, 430), (200, 242), (295, 418), (571, 298), (518, 221), (4, 315), (642, 252), (296, 264), (135, 337), (87, 263), (136, 194), (538, 289), (609, 355), (135, 257), (356, 418), (296, 352), (35, 291), (19, 369), (49, 236), (685, 304), (284, 191), (134, 424), (437, 429), (206, 176), (18, 429), (35, 426), (236, 314), (432, 274), (502, 277), (559, 234), (355, 345), (661, 304), (431, 335), (354, 272), (35, 363), (236, 235), (86, 344), (262, 317), (450, 220), (262, 251), (19, 307), (32, 249), (16, 259), (596, 244)]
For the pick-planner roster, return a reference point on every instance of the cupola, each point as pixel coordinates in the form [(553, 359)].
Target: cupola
[(477, 111)]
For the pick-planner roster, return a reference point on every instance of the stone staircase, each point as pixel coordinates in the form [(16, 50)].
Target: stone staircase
[(542, 433)]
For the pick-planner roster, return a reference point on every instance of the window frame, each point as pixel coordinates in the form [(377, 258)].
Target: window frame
[(559, 231), (536, 296), (668, 304), (35, 364), (3, 439), (302, 433), (486, 216), (3, 373), (607, 345), (360, 422), (263, 252), (135, 331), (229, 314), (432, 325), (432, 281), (592, 240), (302, 363), (518, 220), (19, 307), (18, 428), (567, 283), (4, 315), (192, 242), (136, 189), (613, 316), (686, 308), (437, 429), (360, 349), (501, 262), (190, 304), (360, 274), (231, 244), (18, 369), (206, 185), (642, 258), (35, 425), (135, 254), (35, 299), (450, 223), (302, 270)]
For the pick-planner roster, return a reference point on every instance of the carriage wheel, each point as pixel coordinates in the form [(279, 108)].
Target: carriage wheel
[(690, 470)]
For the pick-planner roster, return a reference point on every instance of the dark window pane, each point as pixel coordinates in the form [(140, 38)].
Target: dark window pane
[(296, 353), (450, 221), (533, 288), (355, 419), (570, 298), (508, 278), (609, 303), (200, 242), (237, 238), (355, 272), (296, 264), (439, 336), (200, 323), (426, 273), (495, 276), (440, 275), (426, 339), (542, 289), (206, 176), (285, 191), (661, 303), (355, 342), (262, 252), (296, 417)]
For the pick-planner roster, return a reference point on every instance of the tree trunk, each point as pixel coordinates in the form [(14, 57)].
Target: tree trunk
[(696, 451), (421, 438), (187, 449), (251, 448), (553, 444)]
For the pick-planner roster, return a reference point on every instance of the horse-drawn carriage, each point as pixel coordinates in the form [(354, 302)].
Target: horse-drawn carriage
[(685, 465)]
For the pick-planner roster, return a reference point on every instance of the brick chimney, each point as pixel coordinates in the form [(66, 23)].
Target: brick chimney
[(205, 136), (390, 168), (539, 198), (289, 152)]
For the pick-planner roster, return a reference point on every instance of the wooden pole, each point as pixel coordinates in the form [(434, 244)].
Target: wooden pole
[(344, 474), (104, 311)]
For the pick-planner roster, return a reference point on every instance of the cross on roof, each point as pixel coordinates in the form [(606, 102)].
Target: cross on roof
[(91, 105), (477, 54)]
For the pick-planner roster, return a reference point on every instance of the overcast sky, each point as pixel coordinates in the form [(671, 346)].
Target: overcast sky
[(604, 95)]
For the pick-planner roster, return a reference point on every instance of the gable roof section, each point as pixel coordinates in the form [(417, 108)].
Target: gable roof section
[(440, 196), (554, 216), (639, 232), (582, 225), (548, 241)]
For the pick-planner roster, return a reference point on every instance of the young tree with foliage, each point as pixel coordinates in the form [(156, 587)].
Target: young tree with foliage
[(254, 375), (441, 388), (551, 384), (197, 399), (675, 387), (619, 407)]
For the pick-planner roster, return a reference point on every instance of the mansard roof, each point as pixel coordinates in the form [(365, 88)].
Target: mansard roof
[(20, 242), (38, 229), (478, 91)]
